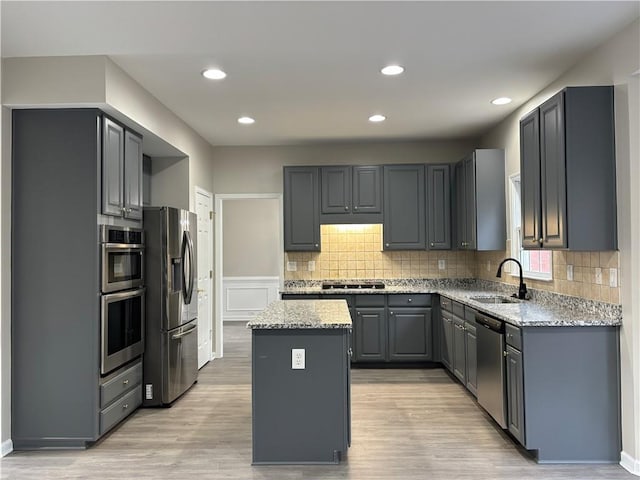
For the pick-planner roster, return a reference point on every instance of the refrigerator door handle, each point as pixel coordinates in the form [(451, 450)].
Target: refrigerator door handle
[(187, 248), (183, 334)]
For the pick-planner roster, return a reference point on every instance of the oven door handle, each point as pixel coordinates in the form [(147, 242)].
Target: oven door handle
[(183, 334)]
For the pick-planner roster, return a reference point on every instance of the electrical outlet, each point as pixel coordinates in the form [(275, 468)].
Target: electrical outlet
[(297, 358), (599, 276), (570, 273), (613, 277), (442, 264), (311, 265), (292, 266)]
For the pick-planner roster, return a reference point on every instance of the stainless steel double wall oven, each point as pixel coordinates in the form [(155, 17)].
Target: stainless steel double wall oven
[(122, 315)]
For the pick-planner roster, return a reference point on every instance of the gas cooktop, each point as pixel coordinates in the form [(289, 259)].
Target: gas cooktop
[(355, 285)]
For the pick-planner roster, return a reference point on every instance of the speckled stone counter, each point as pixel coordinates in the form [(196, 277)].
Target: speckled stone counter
[(546, 309), (303, 314)]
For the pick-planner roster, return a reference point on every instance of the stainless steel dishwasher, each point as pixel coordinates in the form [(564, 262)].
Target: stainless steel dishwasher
[(491, 369)]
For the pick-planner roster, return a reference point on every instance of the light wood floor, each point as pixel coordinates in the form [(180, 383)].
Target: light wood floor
[(406, 424)]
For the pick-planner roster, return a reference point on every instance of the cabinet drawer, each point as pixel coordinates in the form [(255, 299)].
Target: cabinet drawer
[(470, 315), (514, 336), (445, 304), (122, 382), (370, 300), (120, 409), (406, 300), (458, 309)]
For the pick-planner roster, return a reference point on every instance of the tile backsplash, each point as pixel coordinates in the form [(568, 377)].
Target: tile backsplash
[(355, 252)]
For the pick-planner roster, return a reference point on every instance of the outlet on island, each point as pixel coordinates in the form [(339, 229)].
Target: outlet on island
[(297, 359)]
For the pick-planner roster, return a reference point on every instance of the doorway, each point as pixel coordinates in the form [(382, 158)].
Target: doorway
[(204, 211), (248, 252)]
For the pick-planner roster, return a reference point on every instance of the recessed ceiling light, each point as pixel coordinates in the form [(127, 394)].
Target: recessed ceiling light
[(214, 74), (377, 118), (246, 120), (392, 70), (501, 101)]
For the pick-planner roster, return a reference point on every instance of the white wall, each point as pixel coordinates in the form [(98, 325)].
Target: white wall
[(613, 63), (170, 182), (259, 169), (251, 237)]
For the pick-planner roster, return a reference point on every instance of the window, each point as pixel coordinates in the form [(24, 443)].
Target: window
[(537, 264)]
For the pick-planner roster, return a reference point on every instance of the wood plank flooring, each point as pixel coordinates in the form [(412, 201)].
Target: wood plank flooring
[(406, 424)]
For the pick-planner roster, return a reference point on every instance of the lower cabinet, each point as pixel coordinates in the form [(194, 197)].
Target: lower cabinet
[(370, 335), (120, 395), (458, 347), (459, 351), (515, 393), (446, 346), (471, 350), (410, 334)]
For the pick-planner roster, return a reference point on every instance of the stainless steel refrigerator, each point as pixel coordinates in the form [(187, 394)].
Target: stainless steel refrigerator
[(171, 335)]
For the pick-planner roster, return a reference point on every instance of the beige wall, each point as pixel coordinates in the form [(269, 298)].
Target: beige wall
[(251, 243), (170, 182), (259, 169), (613, 63)]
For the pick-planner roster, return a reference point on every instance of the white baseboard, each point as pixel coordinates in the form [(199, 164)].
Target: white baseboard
[(630, 464), (6, 447)]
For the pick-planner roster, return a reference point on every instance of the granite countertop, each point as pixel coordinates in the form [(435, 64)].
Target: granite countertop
[(303, 314), (545, 309)]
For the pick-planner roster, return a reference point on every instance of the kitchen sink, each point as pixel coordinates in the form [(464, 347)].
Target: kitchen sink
[(494, 299)]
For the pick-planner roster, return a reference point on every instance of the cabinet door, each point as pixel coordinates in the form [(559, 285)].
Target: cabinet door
[(471, 357), (530, 180), (133, 176), (460, 209), (438, 207), (112, 168), (404, 207), (370, 335), (553, 172), (336, 189), (459, 353), (447, 341), (515, 394), (410, 334), (301, 209), (367, 190), (470, 202)]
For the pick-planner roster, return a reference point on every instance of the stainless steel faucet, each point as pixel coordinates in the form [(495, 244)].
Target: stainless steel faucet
[(522, 288)]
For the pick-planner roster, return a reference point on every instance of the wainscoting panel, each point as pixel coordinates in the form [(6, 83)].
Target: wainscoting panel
[(244, 297)]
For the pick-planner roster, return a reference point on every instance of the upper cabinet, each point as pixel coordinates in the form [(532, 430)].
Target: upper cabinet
[(351, 194), (301, 209), (567, 168), (121, 171), (480, 209), (438, 207), (404, 207)]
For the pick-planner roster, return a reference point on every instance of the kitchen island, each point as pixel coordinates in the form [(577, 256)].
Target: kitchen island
[(301, 382)]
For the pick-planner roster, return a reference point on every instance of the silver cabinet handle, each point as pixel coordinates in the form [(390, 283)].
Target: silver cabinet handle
[(125, 382)]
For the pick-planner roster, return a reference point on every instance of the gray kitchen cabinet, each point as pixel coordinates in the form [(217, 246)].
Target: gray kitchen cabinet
[(371, 337), (438, 193), (568, 177), (404, 224), (446, 333), (301, 209), (515, 393), (480, 207), (471, 351), (459, 351), (351, 194), (58, 397), (410, 334), (121, 171)]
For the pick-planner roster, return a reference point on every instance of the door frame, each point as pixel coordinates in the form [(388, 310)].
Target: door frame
[(218, 247), (206, 193)]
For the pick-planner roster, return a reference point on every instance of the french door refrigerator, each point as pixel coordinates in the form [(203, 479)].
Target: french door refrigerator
[(170, 364)]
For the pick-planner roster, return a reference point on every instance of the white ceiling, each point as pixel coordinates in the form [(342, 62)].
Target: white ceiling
[(309, 71)]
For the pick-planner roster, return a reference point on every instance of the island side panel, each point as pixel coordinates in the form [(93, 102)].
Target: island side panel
[(572, 393), (300, 416)]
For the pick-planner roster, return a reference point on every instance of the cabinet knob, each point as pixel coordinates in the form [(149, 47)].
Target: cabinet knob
[(390, 313), (346, 208), (125, 382), (534, 241), (432, 244), (540, 240), (410, 300), (355, 208), (317, 245), (125, 406), (505, 353), (386, 244)]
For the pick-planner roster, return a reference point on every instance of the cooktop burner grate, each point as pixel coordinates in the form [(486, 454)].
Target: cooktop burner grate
[(353, 285)]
